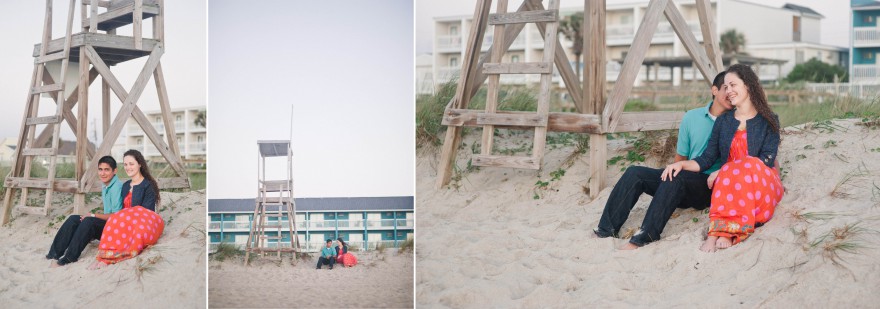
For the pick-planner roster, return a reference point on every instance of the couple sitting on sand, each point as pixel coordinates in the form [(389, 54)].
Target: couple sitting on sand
[(129, 223), (726, 160), (340, 254)]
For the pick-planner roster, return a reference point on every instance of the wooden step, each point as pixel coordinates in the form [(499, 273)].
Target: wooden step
[(524, 17), (275, 215), (46, 88), (506, 161), (39, 211), (43, 120), (518, 68), (519, 120), (50, 57), (270, 237), (275, 185), (17, 182), (271, 226), (38, 152)]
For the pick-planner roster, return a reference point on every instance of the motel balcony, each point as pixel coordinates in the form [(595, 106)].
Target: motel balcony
[(329, 225), (866, 36), (449, 43), (866, 73), (197, 148)]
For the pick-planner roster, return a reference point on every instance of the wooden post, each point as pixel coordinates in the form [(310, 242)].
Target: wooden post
[(710, 37), (494, 79), (594, 87), (82, 135)]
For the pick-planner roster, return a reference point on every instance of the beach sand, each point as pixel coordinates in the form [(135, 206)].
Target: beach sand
[(490, 243), (379, 280), (170, 274)]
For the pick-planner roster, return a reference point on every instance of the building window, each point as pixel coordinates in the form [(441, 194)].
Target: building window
[(453, 30), (799, 57), (178, 119), (140, 141), (514, 58), (200, 138), (453, 62), (625, 19), (869, 56), (796, 28), (869, 19)]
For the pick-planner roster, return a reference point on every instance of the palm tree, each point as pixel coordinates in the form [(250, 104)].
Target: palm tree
[(571, 27), (732, 41)]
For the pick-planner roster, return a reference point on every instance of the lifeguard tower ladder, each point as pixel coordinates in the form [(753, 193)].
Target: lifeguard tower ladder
[(274, 201), (78, 59)]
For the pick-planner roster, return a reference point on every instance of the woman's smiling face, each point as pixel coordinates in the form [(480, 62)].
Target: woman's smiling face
[(131, 166), (737, 92)]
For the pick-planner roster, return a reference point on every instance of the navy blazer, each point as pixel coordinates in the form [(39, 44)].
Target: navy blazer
[(143, 194), (763, 142)]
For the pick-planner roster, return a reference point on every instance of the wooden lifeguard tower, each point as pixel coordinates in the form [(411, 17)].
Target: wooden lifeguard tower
[(93, 51), (273, 203), (597, 115)]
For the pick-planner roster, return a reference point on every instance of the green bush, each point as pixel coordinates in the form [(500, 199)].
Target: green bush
[(816, 71)]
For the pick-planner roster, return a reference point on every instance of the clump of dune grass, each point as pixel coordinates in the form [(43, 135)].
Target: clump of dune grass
[(406, 245), (146, 266), (225, 251), (303, 256), (848, 238), (429, 114), (843, 183), (836, 108), (381, 247), (813, 215)]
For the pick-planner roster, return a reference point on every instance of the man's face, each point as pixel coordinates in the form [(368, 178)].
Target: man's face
[(105, 172), (328, 244), (721, 97)]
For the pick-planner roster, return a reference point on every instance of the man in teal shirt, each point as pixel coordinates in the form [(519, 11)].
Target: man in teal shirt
[(328, 255), (77, 231), (687, 190)]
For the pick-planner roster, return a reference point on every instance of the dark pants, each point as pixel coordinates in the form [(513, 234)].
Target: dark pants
[(73, 236), (687, 190), (326, 261)]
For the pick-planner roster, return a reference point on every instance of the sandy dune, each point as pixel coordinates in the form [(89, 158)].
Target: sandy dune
[(172, 272), (489, 243), (378, 281)]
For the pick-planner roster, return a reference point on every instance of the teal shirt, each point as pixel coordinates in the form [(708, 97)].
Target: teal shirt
[(111, 195), (693, 135), (328, 252)]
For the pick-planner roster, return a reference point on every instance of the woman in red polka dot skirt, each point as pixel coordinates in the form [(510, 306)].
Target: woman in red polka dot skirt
[(137, 226), (747, 188)]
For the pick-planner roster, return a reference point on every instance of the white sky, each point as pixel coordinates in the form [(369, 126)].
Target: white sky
[(345, 66), (834, 26), (184, 61)]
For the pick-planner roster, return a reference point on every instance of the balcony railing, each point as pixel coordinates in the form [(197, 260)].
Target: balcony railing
[(449, 42), (197, 147), (866, 36), (320, 225), (316, 246), (866, 72)]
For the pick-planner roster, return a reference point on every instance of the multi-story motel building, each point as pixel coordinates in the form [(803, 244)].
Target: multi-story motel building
[(865, 44), (365, 222), (191, 137), (784, 37)]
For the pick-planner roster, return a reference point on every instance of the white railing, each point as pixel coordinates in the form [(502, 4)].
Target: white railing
[(197, 147), (449, 42), (866, 72), (178, 126), (320, 225), (868, 91), (316, 246), (135, 129), (864, 36), (617, 31)]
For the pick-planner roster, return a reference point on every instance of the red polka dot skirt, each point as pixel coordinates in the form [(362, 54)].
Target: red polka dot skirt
[(128, 232), (745, 192)]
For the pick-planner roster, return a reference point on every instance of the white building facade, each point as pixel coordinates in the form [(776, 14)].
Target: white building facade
[(191, 137)]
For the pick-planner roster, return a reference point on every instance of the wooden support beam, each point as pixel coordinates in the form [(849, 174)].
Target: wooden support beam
[(137, 20), (524, 17), (710, 36), (82, 133), (572, 83), (463, 93), (518, 68), (138, 115), (632, 63), (67, 112), (521, 120), (593, 101), (93, 18), (506, 161), (681, 28), (128, 106), (488, 133), (165, 107), (572, 122)]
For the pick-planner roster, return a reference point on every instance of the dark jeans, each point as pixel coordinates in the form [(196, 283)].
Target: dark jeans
[(687, 190), (326, 261), (72, 238)]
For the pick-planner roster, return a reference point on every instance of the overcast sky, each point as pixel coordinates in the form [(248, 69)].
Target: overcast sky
[(347, 69), (184, 61), (834, 26)]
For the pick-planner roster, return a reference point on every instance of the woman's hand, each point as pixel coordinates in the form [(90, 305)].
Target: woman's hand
[(711, 180), (672, 170)]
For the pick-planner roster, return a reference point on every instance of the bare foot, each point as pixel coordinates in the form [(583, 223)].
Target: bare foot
[(97, 265), (709, 244), (628, 246), (723, 243), (54, 264)]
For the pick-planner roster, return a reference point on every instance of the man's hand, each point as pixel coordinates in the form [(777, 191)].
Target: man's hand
[(672, 170), (711, 180)]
